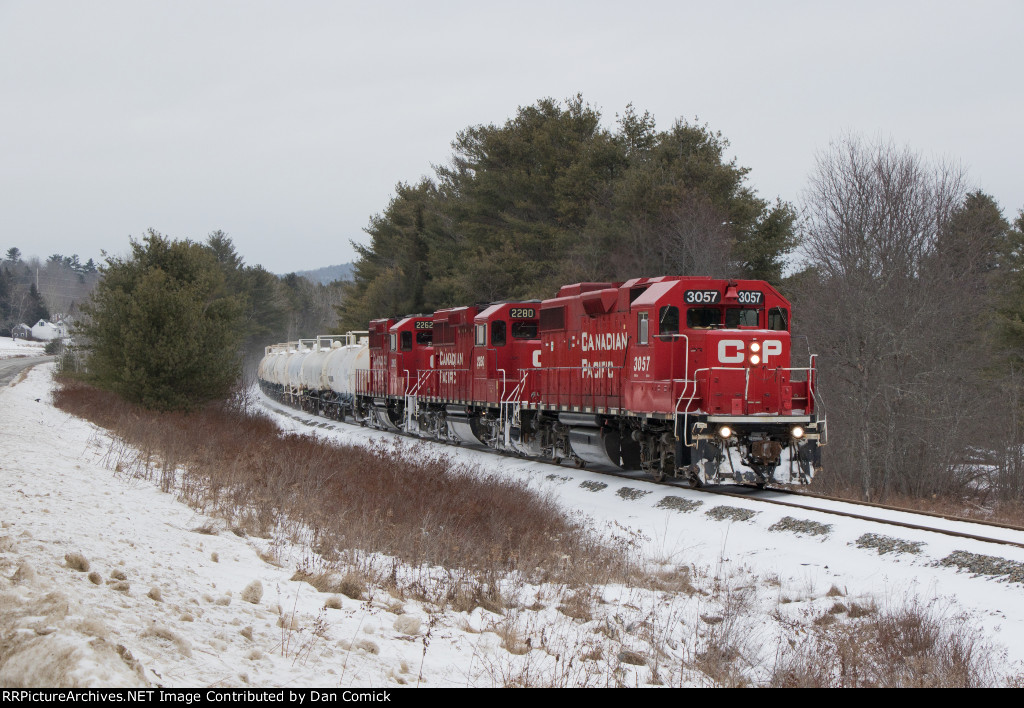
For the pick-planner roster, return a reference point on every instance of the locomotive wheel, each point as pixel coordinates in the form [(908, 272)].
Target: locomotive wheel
[(658, 474)]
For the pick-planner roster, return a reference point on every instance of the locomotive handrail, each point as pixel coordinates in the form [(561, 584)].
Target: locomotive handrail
[(412, 395), (686, 413), (811, 372)]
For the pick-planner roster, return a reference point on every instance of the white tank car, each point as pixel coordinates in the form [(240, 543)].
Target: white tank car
[(293, 368), (312, 370), (343, 362), (279, 374), (266, 363)]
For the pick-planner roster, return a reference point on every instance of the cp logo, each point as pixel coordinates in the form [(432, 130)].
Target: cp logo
[(730, 351)]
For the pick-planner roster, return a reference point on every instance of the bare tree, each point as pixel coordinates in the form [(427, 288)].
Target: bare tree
[(897, 324), (692, 237)]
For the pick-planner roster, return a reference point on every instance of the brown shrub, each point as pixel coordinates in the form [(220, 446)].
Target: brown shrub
[(76, 561), (913, 645)]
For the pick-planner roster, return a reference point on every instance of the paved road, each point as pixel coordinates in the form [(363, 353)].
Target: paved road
[(9, 368)]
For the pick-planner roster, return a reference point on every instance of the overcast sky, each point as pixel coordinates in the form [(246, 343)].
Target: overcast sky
[(288, 124)]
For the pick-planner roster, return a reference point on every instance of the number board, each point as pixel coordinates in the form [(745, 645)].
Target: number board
[(425, 324), (702, 297), (750, 297), (522, 313)]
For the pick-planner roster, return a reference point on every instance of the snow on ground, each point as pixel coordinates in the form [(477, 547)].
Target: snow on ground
[(162, 600), (19, 347), (804, 565)]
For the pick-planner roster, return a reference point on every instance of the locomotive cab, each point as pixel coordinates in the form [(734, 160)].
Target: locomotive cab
[(410, 352), (506, 345), (745, 410)]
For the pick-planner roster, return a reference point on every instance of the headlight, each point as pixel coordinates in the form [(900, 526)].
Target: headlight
[(797, 432), (755, 347), (755, 359), (725, 431)]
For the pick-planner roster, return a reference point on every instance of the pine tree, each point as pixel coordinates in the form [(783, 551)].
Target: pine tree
[(162, 329)]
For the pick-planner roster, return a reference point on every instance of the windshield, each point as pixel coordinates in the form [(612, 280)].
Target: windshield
[(711, 317)]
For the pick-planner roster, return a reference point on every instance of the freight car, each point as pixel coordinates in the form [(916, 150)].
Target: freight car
[(678, 376)]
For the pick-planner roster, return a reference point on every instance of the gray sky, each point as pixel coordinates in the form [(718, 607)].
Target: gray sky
[(287, 125)]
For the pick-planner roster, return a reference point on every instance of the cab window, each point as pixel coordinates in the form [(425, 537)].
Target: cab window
[(394, 342), (736, 317), (524, 329), (642, 328), (481, 335), (424, 337), (703, 317), (497, 333), (406, 341), (668, 321), (778, 319)]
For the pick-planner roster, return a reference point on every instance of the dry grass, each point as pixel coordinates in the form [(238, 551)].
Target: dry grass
[(227, 461), (912, 645)]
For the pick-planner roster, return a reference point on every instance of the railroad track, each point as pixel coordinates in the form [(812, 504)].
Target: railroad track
[(1002, 534), (996, 533)]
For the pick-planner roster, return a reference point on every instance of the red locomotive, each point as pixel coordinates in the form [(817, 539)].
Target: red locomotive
[(677, 376)]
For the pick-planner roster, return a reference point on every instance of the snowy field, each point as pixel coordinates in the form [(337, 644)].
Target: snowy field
[(107, 581), (10, 348)]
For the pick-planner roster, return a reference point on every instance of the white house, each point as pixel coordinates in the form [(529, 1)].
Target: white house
[(49, 330)]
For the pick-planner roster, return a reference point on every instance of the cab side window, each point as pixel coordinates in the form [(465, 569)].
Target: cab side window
[(524, 329), (406, 341), (778, 319), (497, 333), (642, 328), (668, 322)]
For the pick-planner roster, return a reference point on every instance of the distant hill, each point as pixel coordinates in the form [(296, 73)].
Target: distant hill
[(328, 274)]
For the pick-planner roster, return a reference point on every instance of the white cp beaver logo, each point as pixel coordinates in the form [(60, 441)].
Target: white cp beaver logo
[(730, 351)]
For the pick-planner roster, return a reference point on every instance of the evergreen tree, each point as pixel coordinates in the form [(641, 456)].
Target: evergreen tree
[(390, 275), (162, 329), (37, 309), (1010, 308)]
